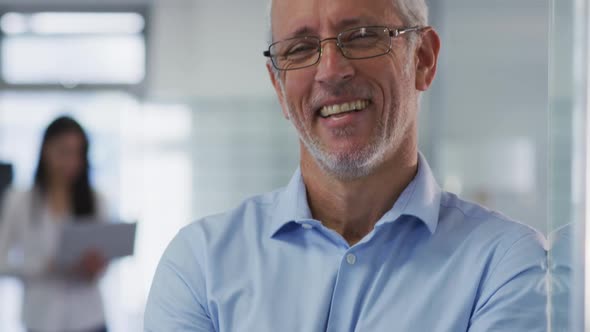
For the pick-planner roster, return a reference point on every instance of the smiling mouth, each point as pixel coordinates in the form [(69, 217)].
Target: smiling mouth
[(353, 106)]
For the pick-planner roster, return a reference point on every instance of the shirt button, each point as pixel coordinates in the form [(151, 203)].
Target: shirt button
[(351, 259), (306, 226)]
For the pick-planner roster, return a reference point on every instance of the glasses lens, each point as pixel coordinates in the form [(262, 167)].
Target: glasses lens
[(365, 42), (295, 53)]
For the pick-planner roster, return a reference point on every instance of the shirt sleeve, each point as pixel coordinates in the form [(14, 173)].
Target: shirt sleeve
[(8, 232), (14, 223), (514, 298), (177, 299)]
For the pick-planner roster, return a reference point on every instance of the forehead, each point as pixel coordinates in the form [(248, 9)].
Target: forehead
[(291, 17), (69, 138)]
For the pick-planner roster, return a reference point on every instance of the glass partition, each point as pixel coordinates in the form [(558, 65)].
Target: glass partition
[(568, 35)]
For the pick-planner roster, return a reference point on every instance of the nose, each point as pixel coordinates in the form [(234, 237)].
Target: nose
[(333, 68)]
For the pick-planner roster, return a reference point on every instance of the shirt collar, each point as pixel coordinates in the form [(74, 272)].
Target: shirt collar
[(420, 199), (291, 205)]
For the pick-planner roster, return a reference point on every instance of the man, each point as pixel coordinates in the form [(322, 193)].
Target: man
[(362, 238)]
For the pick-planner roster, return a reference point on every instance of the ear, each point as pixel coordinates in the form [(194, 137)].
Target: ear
[(278, 90), (426, 58)]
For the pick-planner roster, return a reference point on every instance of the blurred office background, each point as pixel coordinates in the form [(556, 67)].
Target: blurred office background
[(184, 121)]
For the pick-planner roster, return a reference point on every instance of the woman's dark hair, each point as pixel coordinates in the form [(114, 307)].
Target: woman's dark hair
[(83, 200)]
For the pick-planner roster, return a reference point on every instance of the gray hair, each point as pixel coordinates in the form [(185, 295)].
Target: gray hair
[(412, 12)]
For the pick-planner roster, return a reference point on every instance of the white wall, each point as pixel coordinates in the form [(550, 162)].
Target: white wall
[(209, 49)]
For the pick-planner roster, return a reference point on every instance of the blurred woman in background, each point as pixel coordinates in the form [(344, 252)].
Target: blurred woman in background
[(56, 299)]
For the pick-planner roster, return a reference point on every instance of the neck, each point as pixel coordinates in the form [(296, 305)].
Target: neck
[(57, 187), (58, 196), (353, 207)]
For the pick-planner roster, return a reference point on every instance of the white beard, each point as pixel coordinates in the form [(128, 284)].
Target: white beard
[(389, 134)]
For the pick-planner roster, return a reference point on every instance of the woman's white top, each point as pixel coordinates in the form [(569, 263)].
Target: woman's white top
[(28, 242)]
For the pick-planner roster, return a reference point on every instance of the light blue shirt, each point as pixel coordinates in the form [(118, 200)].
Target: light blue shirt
[(433, 263)]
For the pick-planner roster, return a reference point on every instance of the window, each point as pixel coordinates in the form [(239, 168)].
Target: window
[(72, 48)]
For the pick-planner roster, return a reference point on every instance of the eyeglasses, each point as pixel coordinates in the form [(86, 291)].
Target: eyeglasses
[(357, 43)]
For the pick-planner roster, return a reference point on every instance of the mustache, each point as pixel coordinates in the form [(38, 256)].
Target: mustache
[(323, 93)]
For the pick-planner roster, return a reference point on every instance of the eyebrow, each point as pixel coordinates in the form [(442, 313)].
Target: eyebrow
[(345, 23), (350, 21), (356, 21), (302, 31)]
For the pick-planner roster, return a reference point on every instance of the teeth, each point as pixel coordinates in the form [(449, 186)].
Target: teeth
[(344, 107)]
